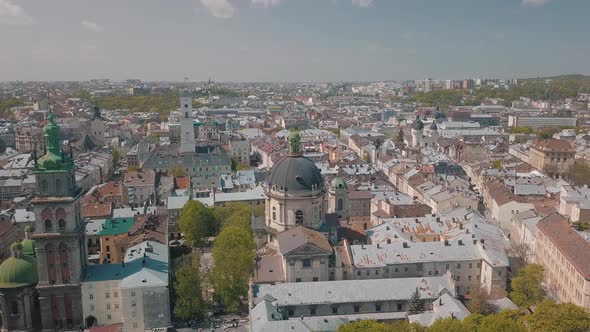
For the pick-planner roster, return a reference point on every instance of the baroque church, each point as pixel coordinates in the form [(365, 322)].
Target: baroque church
[(40, 283), (297, 239)]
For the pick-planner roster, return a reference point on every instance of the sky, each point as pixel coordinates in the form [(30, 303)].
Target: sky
[(292, 40)]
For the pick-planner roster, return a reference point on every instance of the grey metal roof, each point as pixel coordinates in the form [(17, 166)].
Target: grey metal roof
[(355, 291), (294, 174)]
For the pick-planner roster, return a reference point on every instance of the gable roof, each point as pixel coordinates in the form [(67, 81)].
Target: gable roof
[(297, 237)]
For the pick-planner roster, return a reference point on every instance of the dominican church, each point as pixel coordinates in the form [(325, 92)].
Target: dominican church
[(40, 282)]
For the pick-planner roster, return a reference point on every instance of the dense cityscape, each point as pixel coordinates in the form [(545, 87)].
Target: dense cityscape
[(437, 188)]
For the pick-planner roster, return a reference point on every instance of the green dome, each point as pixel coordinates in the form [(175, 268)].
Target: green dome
[(338, 184), (16, 246), (28, 247), (18, 272)]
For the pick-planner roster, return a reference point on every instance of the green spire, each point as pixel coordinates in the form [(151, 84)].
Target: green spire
[(51, 131), (295, 143), (54, 159)]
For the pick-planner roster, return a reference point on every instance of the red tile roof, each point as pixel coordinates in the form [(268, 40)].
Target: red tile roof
[(553, 145), (182, 182)]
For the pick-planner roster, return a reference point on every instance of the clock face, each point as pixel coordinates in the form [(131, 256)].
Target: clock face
[(185, 105)]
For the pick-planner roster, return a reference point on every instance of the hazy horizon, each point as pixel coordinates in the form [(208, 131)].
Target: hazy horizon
[(292, 40)]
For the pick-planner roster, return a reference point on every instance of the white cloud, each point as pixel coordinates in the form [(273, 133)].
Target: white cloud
[(92, 26), (534, 2), (219, 8), (362, 3), (13, 14), (265, 3)]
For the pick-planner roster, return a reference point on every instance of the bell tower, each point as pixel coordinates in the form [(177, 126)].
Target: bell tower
[(187, 134), (58, 235)]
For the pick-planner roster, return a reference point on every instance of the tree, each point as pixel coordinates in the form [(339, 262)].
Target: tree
[(579, 174), (233, 264), (479, 302), (497, 164), (506, 321), (374, 326), (550, 316), (416, 303), (133, 168), (365, 325), (527, 288), (116, 156), (189, 302), (177, 171), (235, 213), (448, 324), (236, 165), (195, 222)]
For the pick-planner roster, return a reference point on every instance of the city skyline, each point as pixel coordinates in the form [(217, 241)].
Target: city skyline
[(289, 40)]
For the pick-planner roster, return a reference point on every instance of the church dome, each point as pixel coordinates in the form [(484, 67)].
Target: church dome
[(294, 173), (418, 124), (338, 184), (433, 126), (18, 270)]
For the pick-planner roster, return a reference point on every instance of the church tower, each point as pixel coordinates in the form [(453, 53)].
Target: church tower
[(97, 127), (417, 133), (338, 198), (58, 235), (187, 129)]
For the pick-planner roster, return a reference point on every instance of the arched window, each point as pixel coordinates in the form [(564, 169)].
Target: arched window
[(44, 186), (64, 261), (14, 308), (48, 226), (58, 186), (299, 217), (274, 213), (61, 225), (340, 205), (50, 255)]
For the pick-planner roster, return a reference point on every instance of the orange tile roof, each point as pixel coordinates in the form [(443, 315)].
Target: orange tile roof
[(182, 182), (96, 210), (113, 188)]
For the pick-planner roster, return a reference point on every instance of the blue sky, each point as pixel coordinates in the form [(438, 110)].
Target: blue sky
[(292, 40)]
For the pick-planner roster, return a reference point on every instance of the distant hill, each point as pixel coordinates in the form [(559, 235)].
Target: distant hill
[(569, 77)]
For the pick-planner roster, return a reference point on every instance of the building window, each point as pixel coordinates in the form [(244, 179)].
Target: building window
[(61, 225), (297, 279), (116, 305), (499, 273), (290, 312), (357, 308), (307, 262), (134, 325), (368, 272), (48, 226), (459, 266), (312, 311), (405, 269), (133, 304), (377, 307), (108, 307), (91, 308), (14, 308), (396, 269), (115, 294), (470, 265), (91, 296), (133, 314), (469, 278), (340, 206), (44, 186), (107, 295), (299, 217), (399, 307), (58, 186), (132, 293), (109, 316), (274, 213), (315, 278)]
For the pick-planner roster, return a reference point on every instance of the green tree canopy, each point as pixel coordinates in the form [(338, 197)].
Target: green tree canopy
[(505, 321), (550, 316), (177, 171), (233, 264), (448, 324), (196, 222), (527, 288), (189, 302)]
